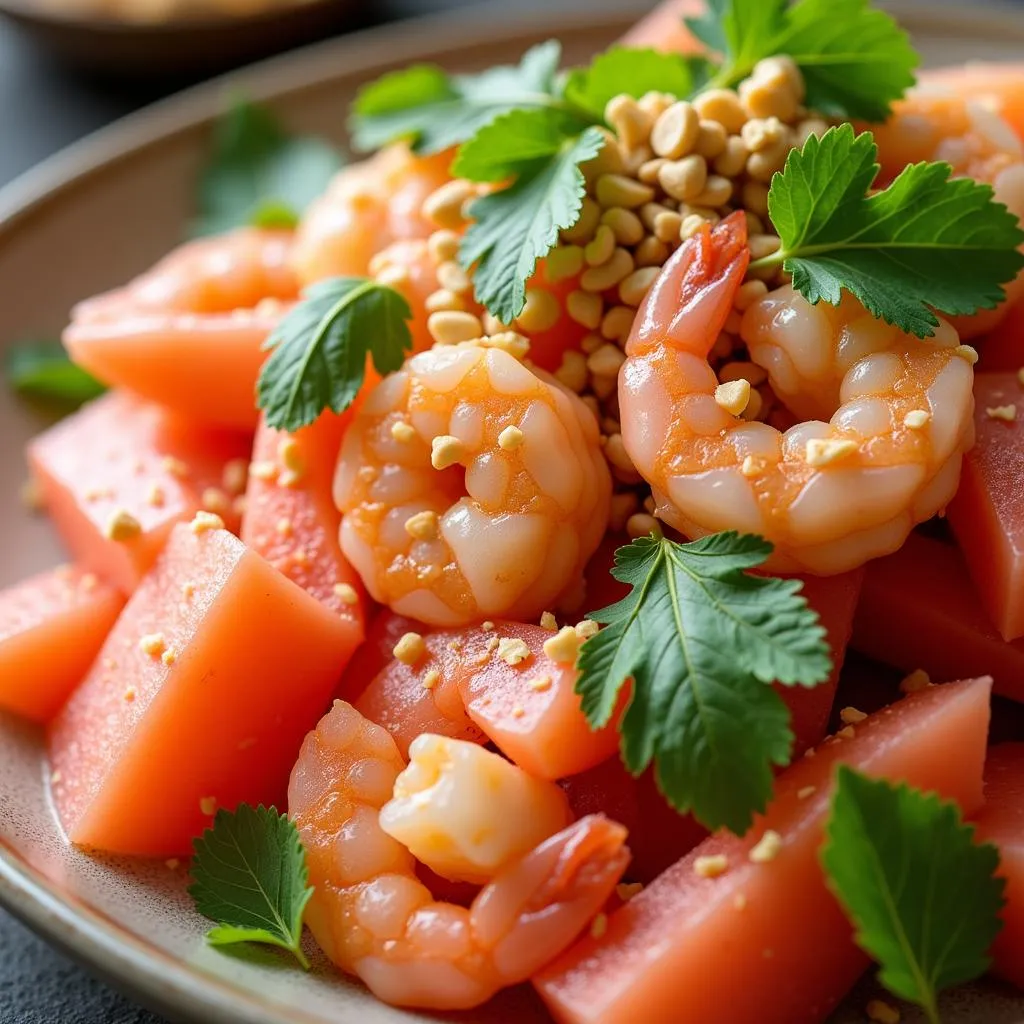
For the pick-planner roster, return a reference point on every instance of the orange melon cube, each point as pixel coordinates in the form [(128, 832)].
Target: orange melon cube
[(771, 928), (118, 474), (51, 628), (200, 698)]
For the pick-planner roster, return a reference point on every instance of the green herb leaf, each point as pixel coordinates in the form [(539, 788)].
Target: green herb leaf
[(634, 72), (250, 876), (517, 226), (259, 174), (701, 639), (43, 370), (924, 242), (920, 892), (855, 59), (436, 111), (321, 345)]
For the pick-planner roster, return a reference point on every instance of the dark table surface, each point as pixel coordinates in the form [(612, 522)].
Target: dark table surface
[(43, 107)]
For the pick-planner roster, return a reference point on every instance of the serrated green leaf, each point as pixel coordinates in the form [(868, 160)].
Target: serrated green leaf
[(700, 637), (926, 242), (320, 347), (249, 875), (258, 174), (516, 226), (921, 893), (633, 72), (436, 111), (43, 370), (855, 59)]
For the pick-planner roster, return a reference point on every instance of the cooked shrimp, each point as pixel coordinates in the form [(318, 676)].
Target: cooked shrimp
[(894, 415), (367, 206), (471, 487), (935, 123), (375, 919)]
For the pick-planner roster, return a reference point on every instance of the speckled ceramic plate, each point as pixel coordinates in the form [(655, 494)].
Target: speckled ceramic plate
[(88, 219)]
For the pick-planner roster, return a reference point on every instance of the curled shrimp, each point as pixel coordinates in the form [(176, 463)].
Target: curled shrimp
[(892, 415), (936, 123), (366, 207), (374, 918), (471, 487), (188, 333)]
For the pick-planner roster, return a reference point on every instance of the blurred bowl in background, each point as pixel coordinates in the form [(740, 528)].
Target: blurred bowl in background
[(166, 38)]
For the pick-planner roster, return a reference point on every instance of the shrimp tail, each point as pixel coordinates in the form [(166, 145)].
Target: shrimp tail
[(690, 301), (536, 908)]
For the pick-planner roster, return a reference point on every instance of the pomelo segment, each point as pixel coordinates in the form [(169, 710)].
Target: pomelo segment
[(772, 930), (919, 610), (291, 520), (118, 474), (987, 513), (1001, 821), (200, 698), (51, 628)]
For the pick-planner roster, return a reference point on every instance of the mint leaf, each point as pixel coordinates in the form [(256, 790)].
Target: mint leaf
[(634, 72), (255, 167), (855, 59), (320, 349), (436, 110), (920, 892), (249, 874), (701, 639), (43, 370), (924, 242), (517, 226)]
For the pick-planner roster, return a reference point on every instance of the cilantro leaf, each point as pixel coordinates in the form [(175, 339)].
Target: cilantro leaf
[(436, 110), (43, 370), (634, 72), (518, 225), (921, 893), (249, 875), (855, 59), (701, 638), (320, 349), (258, 174), (925, 241)]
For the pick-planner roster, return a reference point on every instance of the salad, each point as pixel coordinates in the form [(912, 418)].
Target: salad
[(467, 540)]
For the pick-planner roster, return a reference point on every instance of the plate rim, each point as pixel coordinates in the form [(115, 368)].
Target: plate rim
[(152, 976)]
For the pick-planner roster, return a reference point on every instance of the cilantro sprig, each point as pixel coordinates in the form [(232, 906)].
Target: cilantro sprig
[(43, 370), (855, 59), (925, 242), (257, 173), (923, 896), (250, 876), (702, 639), (320, 349)]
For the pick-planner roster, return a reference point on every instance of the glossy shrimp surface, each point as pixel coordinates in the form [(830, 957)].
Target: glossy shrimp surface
[(936, 123), (367, 206), (890, 416), (374, 918), (471, 487)]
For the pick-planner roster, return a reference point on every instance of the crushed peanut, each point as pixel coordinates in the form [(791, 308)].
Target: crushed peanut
[(402, 431), (767, 848), (805, 792), (510, 438), (563, 646), (539, 684), (155, 496), (122, 526), (712, 866), (548, 621), (1006, 413), (917, 419), (881, 1012), (733, 396), (851, 716), (213, 499), (915, 682), (512, 650), (175, 467), (599, 925), (263, 470), (967, 352), (204, 521), (235, 476), (409, 649), (153, 644), (169, 657), (346, 593), (431, 679), (823, 451), (846, 733), (423, 525), (445, 451), (627, 890), (586, 628)]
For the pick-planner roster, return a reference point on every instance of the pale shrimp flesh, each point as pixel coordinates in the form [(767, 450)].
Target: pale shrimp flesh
[(935, 123), (471, 486), (366, 207), (891, 415), (374, 918)]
